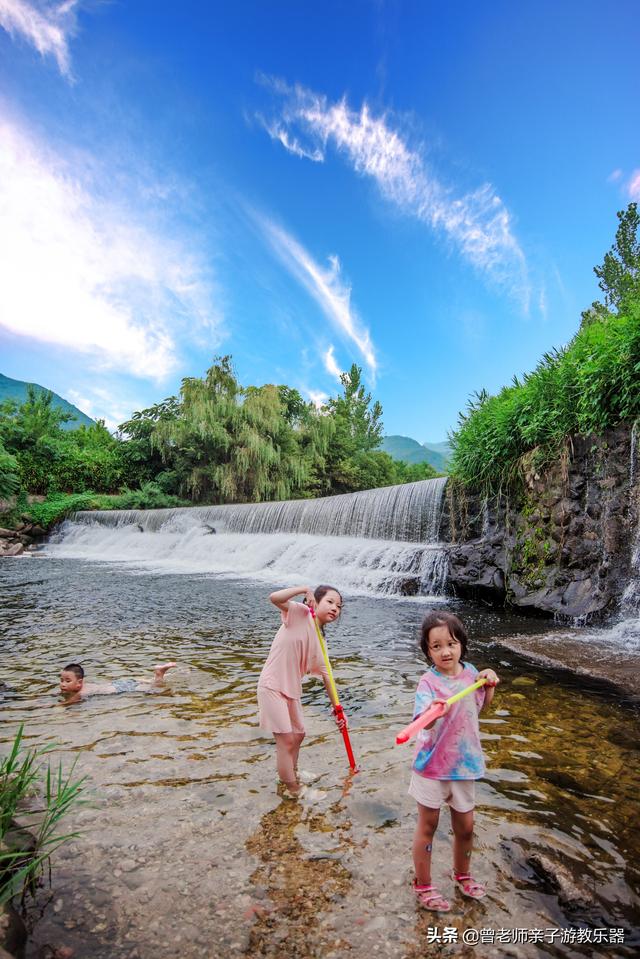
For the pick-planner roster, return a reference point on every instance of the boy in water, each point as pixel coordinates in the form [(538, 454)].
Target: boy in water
[(73, 688)]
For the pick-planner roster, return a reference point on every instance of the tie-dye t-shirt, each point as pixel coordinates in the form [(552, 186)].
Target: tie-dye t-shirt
[(451, 748)]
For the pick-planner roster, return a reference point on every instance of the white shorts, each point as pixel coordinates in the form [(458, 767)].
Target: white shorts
[(460, 794), (279, 713)]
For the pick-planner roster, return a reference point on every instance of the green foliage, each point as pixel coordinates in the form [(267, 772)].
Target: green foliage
[(57, 506), (219, 442), (9, 478), (354, 431), (50, 458), (412, 472), (233, 445), (589, 386), (141, 460), (23, 775)]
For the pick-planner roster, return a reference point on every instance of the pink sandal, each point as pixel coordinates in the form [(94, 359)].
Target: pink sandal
[(469, 886), (429, 898)]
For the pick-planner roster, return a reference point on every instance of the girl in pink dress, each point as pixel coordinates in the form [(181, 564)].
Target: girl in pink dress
[(448, 757), (295, 653)]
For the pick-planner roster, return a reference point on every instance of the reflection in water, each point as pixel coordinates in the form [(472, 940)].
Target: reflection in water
[(188, 849)]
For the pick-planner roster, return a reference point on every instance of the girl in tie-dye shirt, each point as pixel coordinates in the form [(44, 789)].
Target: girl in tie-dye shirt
[(448, 757)]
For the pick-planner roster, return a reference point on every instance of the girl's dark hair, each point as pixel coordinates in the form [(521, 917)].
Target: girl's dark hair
[(452, 623), (76, 669), (321, 591)]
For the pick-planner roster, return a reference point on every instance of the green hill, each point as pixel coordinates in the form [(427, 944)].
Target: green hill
[(410, 451), (17, 390)]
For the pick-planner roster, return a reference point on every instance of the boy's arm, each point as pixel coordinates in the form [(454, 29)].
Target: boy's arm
[(281, 597)]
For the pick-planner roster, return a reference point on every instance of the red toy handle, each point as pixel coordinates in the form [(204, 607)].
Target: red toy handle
[(433, 712), (339, 714)]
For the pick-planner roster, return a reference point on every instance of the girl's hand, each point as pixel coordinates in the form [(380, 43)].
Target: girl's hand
[(309, 599), (490, 676), (441, 702), (341, 719)]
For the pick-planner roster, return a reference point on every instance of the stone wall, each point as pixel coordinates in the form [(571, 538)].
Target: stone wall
[(563, 543)]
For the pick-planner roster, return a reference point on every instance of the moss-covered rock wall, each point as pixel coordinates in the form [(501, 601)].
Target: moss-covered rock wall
[(563, 542)]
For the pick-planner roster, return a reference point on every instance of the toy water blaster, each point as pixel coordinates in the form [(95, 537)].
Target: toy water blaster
[(433, 712), (338, 710)]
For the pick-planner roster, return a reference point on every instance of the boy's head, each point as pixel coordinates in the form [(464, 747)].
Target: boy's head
[(71, 679)]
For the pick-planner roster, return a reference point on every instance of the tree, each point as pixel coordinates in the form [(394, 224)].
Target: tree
[(32, 432), (619, 274), (142, 461), (234, 445), (354, 428), (9, 479)]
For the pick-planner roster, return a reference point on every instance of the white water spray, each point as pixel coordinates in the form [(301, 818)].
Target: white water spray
[(382, 541)]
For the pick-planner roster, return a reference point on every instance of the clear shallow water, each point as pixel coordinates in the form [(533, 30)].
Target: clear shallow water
[(187, 848)]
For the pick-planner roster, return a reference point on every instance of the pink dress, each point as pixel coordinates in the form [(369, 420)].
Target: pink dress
[(295, 653)]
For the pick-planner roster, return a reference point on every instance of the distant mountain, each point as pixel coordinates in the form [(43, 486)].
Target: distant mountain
[(17, 390), (410, 451)]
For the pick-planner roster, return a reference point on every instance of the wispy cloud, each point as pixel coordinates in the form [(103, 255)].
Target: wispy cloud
[(326, 286), (633, 186), (478, 223), (90, 273), (330, 364), (46, 26), (278, 132)]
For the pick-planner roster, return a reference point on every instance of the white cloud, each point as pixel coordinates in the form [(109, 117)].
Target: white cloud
[(317, 398), (89, 274), (46, 26), (326, 286), (633, 186), (330, 364), (100, 404), (478, 222), (614, 176)]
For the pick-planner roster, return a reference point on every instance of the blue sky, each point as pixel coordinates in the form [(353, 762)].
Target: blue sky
[(420, 188)]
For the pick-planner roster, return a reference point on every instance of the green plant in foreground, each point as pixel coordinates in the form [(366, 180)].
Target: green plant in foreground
[(22, 776)]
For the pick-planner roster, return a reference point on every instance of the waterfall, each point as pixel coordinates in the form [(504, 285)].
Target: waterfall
[(631, 598), (382, 541)]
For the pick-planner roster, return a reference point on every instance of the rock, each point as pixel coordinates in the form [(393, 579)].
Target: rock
[(13, 932), (16, 550), (559, 877)]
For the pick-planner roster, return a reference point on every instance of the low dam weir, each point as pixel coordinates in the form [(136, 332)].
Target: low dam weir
[(383, 541)]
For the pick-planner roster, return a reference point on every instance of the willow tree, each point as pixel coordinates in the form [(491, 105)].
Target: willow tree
[(232, 445)]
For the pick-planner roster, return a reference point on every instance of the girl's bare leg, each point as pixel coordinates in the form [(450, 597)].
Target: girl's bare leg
[(287, 749), (422, 843), (462, 823), (296, 749)]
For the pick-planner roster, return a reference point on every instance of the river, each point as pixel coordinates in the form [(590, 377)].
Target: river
[(186, 848)]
